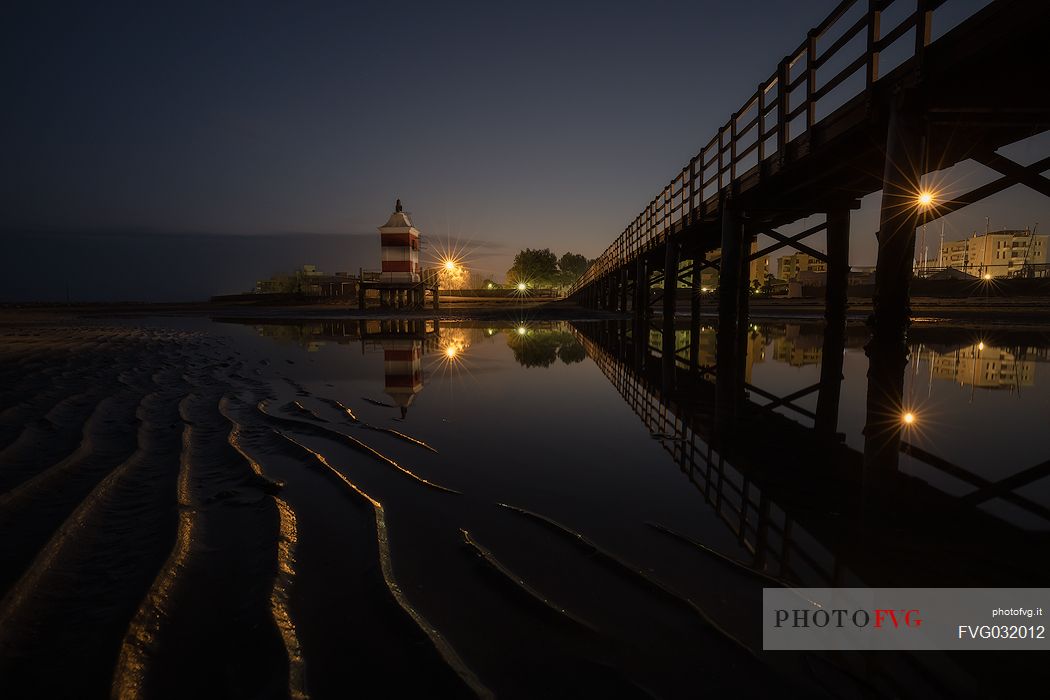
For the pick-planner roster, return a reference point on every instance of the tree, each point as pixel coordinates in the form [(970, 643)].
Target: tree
[(541, 348), (571, 351), (536, 267), (769, 284), (572, 266), (456, 277)]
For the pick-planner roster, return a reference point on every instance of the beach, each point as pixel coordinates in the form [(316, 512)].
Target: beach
[(293, 502), (185, 517)]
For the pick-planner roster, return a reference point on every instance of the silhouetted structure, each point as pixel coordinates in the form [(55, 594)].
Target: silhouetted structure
[(850, 502), (809, 509), (778, 160)]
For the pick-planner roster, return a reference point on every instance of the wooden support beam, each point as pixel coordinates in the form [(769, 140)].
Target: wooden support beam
[(667, 354), (793, 242), (887, 359), (983, 485), (994, 187), (785, 401), (1001, 488), (694, 296), (898, 218), (1020, 173), (784, 242), (732, 268), (838, 265), (641, 287), (732, 315), (670, 278), (827, 414)]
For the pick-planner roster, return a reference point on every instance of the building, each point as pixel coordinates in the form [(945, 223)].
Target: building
[(797, 350), (789, 266), (997, 254), (400, 244), (309, 281), (987, 367), (954, 254), (708, 348), (758, 269)]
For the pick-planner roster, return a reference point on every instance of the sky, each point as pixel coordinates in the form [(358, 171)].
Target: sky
[(244, 133)]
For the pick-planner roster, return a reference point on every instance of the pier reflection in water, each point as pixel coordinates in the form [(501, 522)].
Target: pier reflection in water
[(765, 449), (827, 460), (769, 416)]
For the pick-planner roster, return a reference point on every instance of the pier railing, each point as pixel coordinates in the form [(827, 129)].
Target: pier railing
[(808, 85)]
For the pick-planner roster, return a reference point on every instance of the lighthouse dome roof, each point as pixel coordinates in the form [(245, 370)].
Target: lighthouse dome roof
[(398, 219)]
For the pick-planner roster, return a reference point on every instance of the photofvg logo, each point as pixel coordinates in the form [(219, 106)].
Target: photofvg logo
[(840, 617), (903, 618)]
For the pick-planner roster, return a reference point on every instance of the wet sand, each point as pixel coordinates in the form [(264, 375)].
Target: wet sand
[(182, 518), (166, 537)]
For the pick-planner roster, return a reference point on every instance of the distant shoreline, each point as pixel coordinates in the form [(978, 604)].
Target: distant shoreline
[(991, 311)]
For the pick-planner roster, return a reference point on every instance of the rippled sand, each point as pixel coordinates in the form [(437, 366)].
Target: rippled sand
[(182, 520)]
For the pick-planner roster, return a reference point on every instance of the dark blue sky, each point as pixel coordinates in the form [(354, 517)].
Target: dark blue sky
[(525, 124)]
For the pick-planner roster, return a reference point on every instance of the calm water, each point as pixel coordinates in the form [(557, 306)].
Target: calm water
[(531, 509), (593, 426), (555, 400)]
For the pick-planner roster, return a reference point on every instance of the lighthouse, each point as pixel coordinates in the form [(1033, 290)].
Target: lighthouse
[(400, 283), (400, 244)]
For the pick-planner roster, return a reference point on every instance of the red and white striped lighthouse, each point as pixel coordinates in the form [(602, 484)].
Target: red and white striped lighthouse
[(403, 370), (400, 242)]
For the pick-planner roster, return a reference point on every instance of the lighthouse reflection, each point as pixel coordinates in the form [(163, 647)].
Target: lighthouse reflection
[(800, 453), (402, 370)]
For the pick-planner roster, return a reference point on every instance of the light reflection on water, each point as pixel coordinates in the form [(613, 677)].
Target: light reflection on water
[(623, 433), (976, 402)]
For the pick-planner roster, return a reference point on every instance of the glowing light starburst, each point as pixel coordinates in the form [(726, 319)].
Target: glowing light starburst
[(448, 361), (522, 288), (452, 260), (452, 347)]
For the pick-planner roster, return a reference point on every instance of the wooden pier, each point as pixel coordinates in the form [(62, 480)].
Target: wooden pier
[(398, 294), (831, 124)]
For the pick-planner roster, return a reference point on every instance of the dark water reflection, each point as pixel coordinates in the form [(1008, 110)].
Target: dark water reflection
[(804, 457)]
